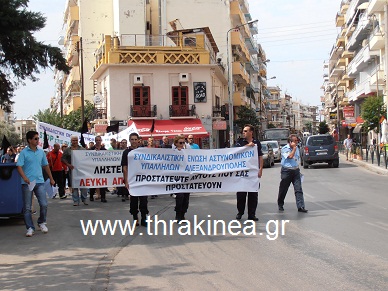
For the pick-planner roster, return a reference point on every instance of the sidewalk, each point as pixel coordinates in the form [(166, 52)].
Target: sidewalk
[(381, 170)]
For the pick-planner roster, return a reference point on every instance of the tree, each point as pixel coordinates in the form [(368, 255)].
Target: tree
[(21, 55), (371, 111), (10, 133), (73, 120), (323, 127), (247, 115), (49, 116), (308, 126)]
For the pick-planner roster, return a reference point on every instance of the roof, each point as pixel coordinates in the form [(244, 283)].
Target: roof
[(205, 30)]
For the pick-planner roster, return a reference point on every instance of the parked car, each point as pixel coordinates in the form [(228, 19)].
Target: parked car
[(319, 149), (276, 149), (268, 157)]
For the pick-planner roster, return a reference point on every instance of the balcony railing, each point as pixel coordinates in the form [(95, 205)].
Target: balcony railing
[(182, 110), (144, 111), (100, 113)]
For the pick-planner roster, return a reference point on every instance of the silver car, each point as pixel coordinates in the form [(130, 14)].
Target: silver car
[(277, 153)]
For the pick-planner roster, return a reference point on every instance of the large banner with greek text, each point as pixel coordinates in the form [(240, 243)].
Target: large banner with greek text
[(166, 171), (59, 135), (97, 169)]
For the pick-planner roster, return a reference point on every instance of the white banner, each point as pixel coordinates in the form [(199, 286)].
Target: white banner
[(166, 171), (124, 134), (59, 135), (97, 169)]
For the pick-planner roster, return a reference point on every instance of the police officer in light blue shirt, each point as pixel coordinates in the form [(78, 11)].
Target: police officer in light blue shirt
[(290, 173)]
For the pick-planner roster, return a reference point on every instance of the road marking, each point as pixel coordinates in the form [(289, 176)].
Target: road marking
[(141, 233), (378, 226)]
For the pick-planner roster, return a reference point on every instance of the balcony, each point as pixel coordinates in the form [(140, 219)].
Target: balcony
[(143, 111), (239, 42), (239, 98), (240, 73), (376, 6), (219, 111), (344, 8), (100, 113), (238, 16), (182, 110), (376, 40), (360, 32), (73, 77), (251, 45), (339, 20), (340, 42), (72, 20)]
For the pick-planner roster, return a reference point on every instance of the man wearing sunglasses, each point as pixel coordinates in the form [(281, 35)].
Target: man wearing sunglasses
[(248, 140), (29, 165)]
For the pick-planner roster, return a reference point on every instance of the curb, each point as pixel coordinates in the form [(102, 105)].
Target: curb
[(370, 167)]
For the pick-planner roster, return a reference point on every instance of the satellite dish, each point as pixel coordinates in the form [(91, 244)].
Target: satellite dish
[(98, 99)]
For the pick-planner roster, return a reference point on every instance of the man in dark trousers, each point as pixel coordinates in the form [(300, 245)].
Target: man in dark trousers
[(248, 140), (136, 202), (290, 173)]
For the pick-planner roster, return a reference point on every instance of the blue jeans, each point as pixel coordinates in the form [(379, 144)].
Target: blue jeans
[(289, 176), (40, 194), (75, 194)]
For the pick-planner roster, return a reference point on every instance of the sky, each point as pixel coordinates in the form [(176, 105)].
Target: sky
[(297, 36)]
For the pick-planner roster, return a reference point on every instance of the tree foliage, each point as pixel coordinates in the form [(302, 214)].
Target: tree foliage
[(371, 111), (21, 55), (323, 127), (246, 115), (50, 116), (10, 133), (271, 125), (73, 120)]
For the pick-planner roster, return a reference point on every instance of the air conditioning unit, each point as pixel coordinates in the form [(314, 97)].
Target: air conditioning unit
[(183, 77), (138, 79)]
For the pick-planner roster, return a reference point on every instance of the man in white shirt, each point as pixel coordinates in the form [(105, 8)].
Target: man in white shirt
[(348, 148)]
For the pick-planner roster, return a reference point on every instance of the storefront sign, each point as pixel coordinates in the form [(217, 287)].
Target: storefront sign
[(219, 125)]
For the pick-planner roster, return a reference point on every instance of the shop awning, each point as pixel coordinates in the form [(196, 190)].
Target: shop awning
[(357, 129), (170, 127)]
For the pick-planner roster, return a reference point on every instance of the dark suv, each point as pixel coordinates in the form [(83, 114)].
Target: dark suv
[(320, 149)]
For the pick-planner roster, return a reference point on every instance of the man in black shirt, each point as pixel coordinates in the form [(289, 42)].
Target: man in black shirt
[(248, 140), (137, 202)]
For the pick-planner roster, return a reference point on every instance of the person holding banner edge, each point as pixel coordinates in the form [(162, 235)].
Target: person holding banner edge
[(136, 202), (248, 140), (66, 159), (101, 192), (181, 199)]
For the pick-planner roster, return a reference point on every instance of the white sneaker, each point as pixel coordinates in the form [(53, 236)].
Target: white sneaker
[(43, 227), (30, 232)]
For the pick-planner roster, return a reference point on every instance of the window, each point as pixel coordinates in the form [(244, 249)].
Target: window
[(320, 140), (180, 95), (141, 95)]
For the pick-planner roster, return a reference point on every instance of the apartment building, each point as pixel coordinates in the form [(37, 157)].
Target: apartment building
[(22, 126), (137, 24), (283, 112), (355, 69)]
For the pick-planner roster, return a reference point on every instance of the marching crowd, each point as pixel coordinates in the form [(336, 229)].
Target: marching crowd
[(34, 165)]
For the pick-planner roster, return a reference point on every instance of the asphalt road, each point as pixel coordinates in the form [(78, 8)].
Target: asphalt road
[(340, 244)]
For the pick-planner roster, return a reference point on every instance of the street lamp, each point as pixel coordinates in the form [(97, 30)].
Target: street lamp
[(230, 81)]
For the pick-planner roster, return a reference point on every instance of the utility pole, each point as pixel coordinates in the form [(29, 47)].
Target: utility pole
[(61, 105), (81, 56), (386, 53)]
